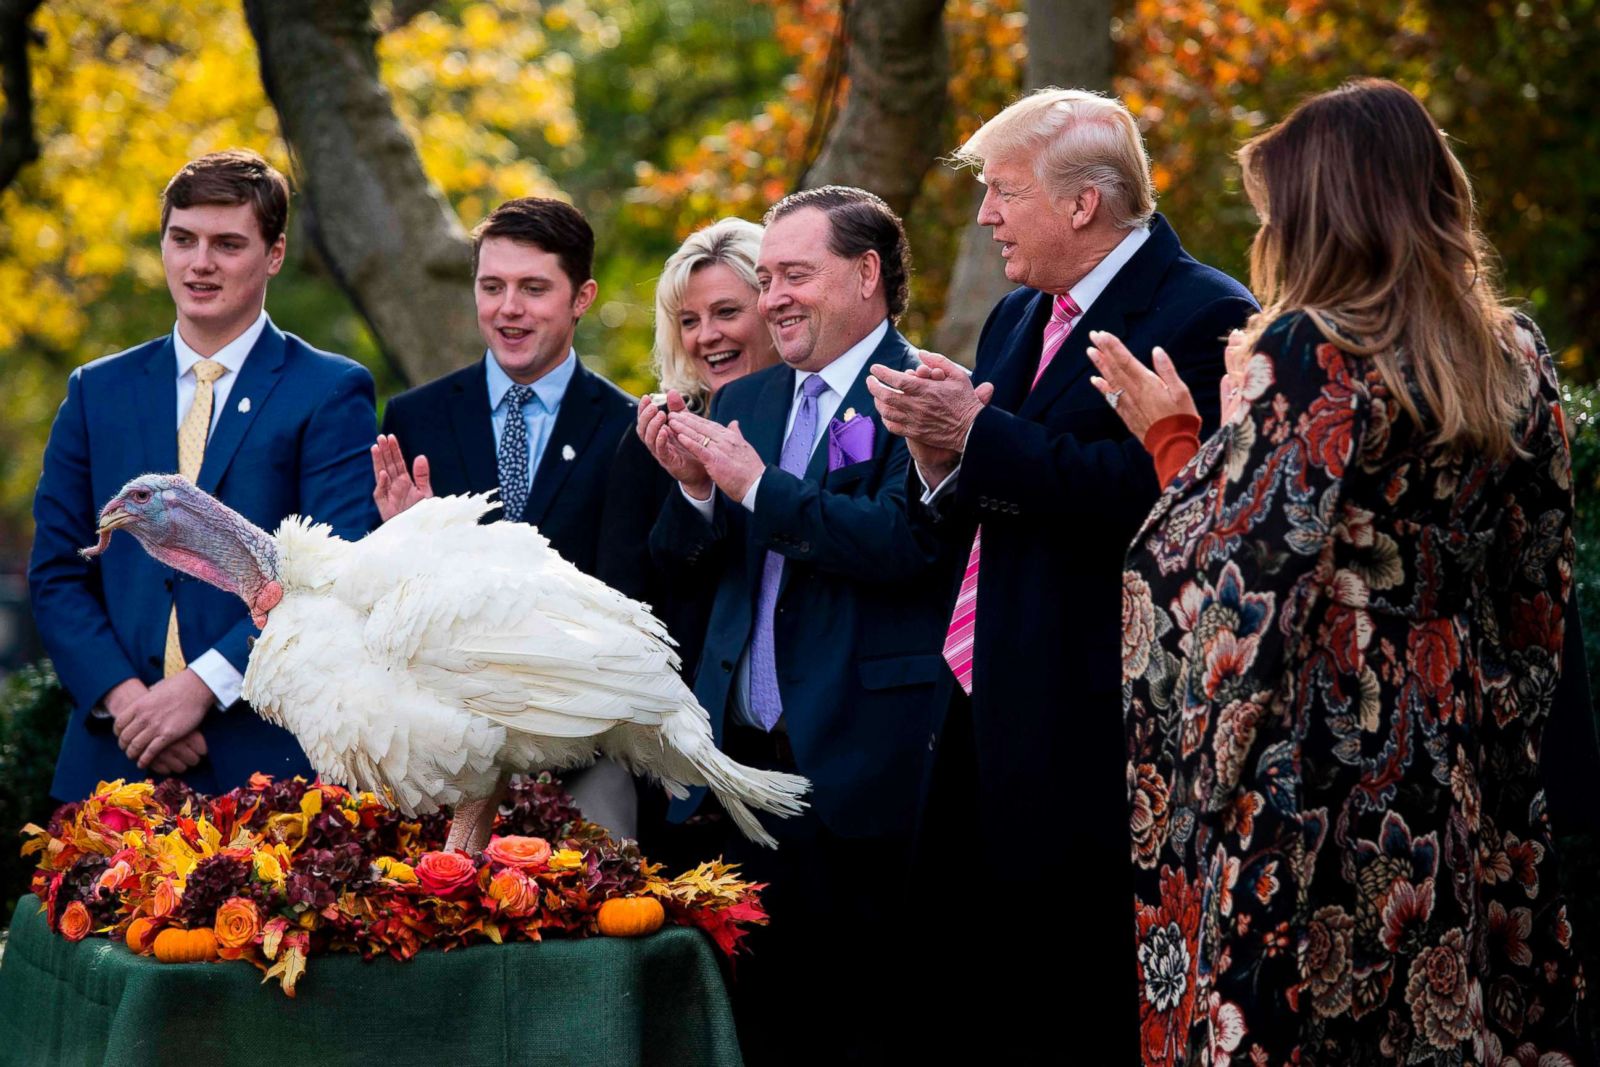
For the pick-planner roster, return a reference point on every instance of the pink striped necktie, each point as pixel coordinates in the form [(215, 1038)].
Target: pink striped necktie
[(964, 619)]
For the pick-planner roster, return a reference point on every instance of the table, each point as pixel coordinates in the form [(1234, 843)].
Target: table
[(601, 1001)]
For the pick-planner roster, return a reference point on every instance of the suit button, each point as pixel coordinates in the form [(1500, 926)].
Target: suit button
[(169, 585), (805, 546), (727, 666), (983, 501), (155, 661)]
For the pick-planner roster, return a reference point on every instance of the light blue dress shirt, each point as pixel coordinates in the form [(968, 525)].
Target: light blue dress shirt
[(538, 414)]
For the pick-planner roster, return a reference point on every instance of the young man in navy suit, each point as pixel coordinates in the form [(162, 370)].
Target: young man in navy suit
[(822, 651), (269, 425), (528, 419), (1036, 483)]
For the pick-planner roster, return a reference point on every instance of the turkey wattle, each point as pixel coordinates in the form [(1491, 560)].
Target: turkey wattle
[(437, 656)]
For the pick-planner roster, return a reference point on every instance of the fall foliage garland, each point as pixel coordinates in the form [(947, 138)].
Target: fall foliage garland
[(277, 872)]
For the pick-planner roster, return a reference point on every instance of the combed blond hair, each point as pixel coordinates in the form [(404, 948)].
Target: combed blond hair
[(1075, 139), (734, 243), (1368, 225)]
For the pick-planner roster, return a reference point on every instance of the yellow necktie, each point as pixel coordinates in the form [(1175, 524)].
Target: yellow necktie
[(191, 451)]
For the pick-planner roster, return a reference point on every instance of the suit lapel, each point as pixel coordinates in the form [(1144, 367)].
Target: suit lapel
[(892, 351), (576, 422), (768, 420), (156, 408), (1128, 294), (259, 376), (1014, 370), (474, 432)]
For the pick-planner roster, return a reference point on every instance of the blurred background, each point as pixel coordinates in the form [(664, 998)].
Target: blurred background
[(402, 123)]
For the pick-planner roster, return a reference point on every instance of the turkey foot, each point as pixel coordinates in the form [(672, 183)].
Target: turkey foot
[(474, 820)]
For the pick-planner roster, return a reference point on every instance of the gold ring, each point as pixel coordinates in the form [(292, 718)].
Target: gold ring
[(705, 440)]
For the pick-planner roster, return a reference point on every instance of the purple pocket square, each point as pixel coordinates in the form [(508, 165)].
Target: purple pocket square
[(849, 442)]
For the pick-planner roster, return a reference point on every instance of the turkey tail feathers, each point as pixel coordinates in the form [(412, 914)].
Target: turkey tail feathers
[(737, 787)]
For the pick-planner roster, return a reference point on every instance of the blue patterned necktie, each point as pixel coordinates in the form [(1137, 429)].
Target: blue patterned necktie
[(765, 704), (514, 453)]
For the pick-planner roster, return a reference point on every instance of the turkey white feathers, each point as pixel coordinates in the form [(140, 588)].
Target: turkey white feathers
[(437, 656)]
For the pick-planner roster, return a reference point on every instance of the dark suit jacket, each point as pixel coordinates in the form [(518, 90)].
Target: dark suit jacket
[(857, 632), (300, 448), (448, 421), (634, 494), (1060, 487)]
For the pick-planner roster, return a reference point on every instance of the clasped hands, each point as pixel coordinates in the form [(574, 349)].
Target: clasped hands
[(932, 407), (699, 453), (157, 726)]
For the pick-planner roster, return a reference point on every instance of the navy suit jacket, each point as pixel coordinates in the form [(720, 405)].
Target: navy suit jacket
[(299, 447), (1060, 487), (448, 421), (856, 632)]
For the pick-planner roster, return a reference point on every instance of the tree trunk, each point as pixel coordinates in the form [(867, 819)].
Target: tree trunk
[(888, 134), (1069, 45), (386, 232), (19, 145)]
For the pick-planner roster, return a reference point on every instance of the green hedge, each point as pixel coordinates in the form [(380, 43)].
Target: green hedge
[(33, 716)]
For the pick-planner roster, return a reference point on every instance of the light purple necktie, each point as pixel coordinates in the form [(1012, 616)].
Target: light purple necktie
[(765, 704)]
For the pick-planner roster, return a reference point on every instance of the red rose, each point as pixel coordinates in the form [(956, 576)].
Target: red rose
[(119, 820), (1434, 654), (446, 874)]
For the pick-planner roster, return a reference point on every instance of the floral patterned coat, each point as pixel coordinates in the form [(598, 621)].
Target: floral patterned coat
[(1339, 648)]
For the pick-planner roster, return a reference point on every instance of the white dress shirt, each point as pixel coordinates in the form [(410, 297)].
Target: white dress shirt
[(220, 676), (1085, 293)]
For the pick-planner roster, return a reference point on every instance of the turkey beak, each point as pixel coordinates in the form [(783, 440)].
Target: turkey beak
[(111, 519)]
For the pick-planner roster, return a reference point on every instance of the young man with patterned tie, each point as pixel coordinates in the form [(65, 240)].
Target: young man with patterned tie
[(269, 425), (527, 419)]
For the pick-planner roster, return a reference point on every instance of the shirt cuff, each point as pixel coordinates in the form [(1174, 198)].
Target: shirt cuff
[(707, 508), (219, 675), (932, 493), (748, 502)]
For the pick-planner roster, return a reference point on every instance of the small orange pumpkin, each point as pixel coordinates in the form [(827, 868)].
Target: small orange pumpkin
[(174, 945), (141, 935), (631, 916)]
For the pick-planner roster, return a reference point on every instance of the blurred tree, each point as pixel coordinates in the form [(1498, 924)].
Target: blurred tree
[(18, 144), (888, 133), (1065, 48), (382, 225)]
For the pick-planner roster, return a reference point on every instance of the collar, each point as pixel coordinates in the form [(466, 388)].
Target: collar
[(1094, 283), (842, 373), (231, 355), (549, 389)]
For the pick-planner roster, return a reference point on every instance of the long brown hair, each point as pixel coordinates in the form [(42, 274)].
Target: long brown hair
[(1368, 225)]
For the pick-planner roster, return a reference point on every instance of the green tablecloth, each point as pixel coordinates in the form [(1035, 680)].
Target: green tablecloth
[(602, 1001)]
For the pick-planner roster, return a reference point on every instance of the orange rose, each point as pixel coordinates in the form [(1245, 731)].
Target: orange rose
[(75, 921), (446, 874), (524, 852), (163, 900), (238, 923), (514, 893)]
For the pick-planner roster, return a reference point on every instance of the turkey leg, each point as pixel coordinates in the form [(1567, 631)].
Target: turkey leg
[(474, 820)]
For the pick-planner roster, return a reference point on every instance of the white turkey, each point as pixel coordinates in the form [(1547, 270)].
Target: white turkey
[(437, 656)]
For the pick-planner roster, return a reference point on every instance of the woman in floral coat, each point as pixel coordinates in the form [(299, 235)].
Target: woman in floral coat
[(1342, 627)]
